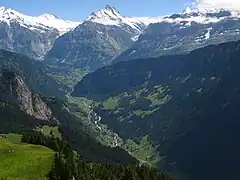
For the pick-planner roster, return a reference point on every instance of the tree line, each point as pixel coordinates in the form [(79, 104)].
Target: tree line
[(68, 165)]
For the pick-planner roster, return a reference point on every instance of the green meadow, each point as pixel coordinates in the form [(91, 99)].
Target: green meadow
[(23, 161)]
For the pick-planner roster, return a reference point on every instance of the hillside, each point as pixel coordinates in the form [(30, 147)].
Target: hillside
[(21, 110), (24, 161), (177, 101), (34, 74)]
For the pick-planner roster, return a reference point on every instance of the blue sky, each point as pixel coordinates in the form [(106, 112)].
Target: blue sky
[(80, 9)]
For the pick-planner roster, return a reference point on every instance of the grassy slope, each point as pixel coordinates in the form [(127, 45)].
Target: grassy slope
[(102, 133), (144, 150), (23, 161), (69, 78), (47, 129), (14, 138)]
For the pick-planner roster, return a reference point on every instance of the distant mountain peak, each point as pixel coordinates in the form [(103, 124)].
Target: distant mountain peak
[(49, 16), (7, 13), (108, 12), (44, 21), (188, 10), (2, 8), (109, 7)]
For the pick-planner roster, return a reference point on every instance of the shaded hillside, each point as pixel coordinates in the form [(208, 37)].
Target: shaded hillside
[(188, 104), (34, 74), (13, 90), (68, 165), (82, 139), (23, 110)]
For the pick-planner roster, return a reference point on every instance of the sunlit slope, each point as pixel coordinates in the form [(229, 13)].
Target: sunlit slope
[(24, 161)]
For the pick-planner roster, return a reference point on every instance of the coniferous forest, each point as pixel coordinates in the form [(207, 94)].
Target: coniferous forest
[(67, 164)]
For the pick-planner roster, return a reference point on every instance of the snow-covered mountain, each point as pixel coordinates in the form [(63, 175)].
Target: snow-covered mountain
[(109, 33), (103, 36), (202, 16), (183, 32), (111, 16), (39, 23), (30, 35)]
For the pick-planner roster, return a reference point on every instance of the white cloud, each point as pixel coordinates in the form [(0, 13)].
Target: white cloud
[(226, 4)]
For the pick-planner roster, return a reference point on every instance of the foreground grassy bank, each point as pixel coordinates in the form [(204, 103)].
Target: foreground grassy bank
[(23, 161)]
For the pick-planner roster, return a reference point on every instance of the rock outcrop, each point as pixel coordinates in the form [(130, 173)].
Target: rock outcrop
[(14, 90)]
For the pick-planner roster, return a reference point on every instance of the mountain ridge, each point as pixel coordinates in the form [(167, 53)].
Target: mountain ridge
[(183, 32), (36, 35), (107, 13), (44, 21)]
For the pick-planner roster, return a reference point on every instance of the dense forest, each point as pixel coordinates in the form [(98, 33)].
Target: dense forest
[(68, 165)]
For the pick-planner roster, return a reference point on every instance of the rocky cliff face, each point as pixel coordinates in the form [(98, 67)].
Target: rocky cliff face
[(34, 74), (30, 35), (13, 90), (181, 33), (91, 45), (14, 37)]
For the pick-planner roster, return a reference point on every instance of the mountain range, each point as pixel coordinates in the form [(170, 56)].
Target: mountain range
[(184, 32), (29, 35), (107, 37), (34, 36)]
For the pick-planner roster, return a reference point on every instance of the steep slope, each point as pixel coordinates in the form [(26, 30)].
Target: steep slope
[(34, 74), (111, 16), (21, 110), (14, 91), (32, 36), (94, 43), (188, 105), (97, 41), (89, 46), (183, 32)]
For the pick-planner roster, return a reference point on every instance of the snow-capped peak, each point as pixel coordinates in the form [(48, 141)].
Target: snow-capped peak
[(7, 13), (111, 16), (209, 10), (202, 15), (49, 16), (38, 23), (108, 12), (188, 10)]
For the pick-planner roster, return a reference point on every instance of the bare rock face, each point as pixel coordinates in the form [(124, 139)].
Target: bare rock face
[(33, 43), (13, 90), (41, 110)]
